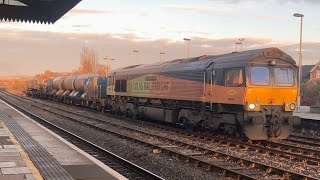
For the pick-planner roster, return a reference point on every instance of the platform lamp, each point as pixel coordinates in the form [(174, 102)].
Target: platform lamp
[(137, 52), (108, 64), (300, 58), (188, 40), (238, 43), (161, 53), (241, 40)]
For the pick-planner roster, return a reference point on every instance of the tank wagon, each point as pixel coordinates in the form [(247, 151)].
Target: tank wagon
[(32, 87), (251, 93), (32, 84), (57, 86), (95, 94), (45, 88), (70, 89)]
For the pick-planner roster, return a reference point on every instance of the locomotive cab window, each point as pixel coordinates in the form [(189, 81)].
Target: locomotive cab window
[(259, 75), (233, 77), (283, 76)]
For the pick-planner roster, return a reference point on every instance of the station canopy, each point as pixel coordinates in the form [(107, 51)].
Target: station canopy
[(36, 11)]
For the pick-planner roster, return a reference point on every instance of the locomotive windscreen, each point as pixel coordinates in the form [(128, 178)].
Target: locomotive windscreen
[(284, 76), (259, 75)]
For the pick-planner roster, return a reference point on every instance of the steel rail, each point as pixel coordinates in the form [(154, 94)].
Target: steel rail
[(268, 169), (310, 141), (119, 164), (275, 148)]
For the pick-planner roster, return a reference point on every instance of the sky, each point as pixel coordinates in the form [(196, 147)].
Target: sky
[(116, 28)]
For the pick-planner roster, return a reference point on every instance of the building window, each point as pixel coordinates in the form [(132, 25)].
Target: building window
[(318, 74)]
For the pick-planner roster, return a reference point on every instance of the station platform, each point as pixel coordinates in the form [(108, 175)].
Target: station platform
[(307, 115), (28, 151)]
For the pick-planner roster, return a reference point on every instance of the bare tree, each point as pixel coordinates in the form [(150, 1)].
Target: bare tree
[(101, 70), (88, 61)]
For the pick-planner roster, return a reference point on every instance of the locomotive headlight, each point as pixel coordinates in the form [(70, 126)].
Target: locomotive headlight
[(292, 106), (251, 106)]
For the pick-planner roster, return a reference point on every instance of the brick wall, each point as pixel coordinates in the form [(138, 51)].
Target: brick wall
[(313, 74)]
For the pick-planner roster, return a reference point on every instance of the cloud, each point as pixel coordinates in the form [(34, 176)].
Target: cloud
[(223, 10), (81, 25), (87, 11), (217, 10), (300, 1), (30, 52), (278, 1)]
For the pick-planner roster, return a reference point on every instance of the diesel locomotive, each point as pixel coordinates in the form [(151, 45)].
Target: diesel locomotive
[(251, 93)]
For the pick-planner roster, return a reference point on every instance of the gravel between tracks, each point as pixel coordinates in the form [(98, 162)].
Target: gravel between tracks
[(161, 164)]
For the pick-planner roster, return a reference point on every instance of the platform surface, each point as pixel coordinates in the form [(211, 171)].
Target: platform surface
[(312, 116), (13, 164), (74, 161)]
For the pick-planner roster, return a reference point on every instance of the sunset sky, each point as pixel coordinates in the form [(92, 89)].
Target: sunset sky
[(115, 28)]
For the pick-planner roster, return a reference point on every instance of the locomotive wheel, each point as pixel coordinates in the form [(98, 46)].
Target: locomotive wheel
[(130, 114), (237, 132), (200, 126), (185, 123)]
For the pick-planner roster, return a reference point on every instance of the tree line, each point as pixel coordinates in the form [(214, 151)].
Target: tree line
[(89, 64), (310, 93)]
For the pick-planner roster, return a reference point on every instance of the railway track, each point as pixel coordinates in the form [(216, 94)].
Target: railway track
[(313, 141), (195, 151), (289, 151), (124, 167)]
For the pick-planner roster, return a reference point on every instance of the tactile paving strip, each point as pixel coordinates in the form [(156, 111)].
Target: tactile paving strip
[(49, 167)]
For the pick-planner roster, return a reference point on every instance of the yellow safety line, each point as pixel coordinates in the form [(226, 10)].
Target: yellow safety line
[(36, 174)]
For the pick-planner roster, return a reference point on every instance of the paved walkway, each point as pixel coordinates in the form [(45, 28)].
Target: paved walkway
[(14, 162), (312, 116), (18, 128)]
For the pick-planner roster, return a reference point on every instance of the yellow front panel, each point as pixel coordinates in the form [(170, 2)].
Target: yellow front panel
[(271, 95)]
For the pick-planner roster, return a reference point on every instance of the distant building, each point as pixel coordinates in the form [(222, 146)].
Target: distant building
[(310, 72)]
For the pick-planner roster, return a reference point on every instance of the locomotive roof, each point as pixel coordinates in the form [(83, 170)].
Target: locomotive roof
[(236, 59)]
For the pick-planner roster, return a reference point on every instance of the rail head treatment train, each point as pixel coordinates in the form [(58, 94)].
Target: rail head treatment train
[(251, 93)]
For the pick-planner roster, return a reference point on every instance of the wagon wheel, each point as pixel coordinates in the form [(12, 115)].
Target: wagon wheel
[(87, 104), (119, 112), (99, 107)]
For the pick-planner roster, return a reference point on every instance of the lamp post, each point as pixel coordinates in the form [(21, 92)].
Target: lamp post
[(238, 43), (137, 52), (241, 40), (300, 57), (188, 40), (108, 64), (161, 53)]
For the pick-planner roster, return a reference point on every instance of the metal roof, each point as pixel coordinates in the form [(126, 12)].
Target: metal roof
[(36, 11), (230, 60)]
